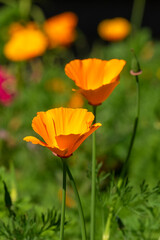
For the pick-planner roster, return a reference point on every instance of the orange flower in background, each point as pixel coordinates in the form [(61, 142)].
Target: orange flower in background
[(25, 42), (115, 29), (60, 29), (63, 129), (69, 201), (95, 78), (76, 100)]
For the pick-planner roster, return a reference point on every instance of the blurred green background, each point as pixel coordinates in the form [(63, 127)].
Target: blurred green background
[(33, 175)]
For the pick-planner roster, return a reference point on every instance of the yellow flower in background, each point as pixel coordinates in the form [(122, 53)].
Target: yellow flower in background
[(60, 29), (95, 78), (76, 100), (115, 29), (62, 129), (25, 42)]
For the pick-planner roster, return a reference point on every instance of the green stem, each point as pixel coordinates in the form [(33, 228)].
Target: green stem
[(1, 145), (93, 187), (63, 201), (106, 233), (81, 214), (24, 8), (137, 13), (125, 168)]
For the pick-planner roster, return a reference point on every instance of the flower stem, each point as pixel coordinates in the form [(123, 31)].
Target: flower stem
[(137, 13), (125, 168), (93, 187), (135, 122), (106, 233), (80, 209), (63, 201), (25, 8)]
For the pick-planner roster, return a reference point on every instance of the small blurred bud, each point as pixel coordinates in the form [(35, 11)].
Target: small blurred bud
[(136, 70)]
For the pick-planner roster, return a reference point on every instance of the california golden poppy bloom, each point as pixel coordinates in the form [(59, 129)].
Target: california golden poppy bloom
[(60, 29), (115, 29), (95, 78), (62, 129), (25, 42)]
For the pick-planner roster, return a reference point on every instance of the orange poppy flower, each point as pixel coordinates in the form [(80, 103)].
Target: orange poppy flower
[(60, 29), (115, 29), (63, 129), (26, 42), (95, 78)]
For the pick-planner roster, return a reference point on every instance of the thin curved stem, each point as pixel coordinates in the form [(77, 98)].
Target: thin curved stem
[(125, 168), (93, 187), (80, 209), (63, 201)]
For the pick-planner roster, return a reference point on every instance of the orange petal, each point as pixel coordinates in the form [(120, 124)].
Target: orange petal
[(72, 142), (34, 140), (112, 70), (67, 142), (43, 124), (56, 151), (84, 72), (97, 96), (59, 152), (85, 135), (71, 121), (92, 73), (40, 128)]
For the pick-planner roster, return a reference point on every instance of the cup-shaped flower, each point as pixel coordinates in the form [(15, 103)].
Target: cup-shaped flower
[(95, 78), (25, 42), (60, 29), (62, 129), (115, 29)]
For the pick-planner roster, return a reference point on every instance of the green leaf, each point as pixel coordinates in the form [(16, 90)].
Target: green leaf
[(7, 197)]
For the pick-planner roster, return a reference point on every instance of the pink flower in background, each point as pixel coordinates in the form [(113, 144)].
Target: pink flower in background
[(7, 87)]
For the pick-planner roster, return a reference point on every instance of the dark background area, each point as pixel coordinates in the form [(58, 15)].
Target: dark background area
[(91, 13)]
